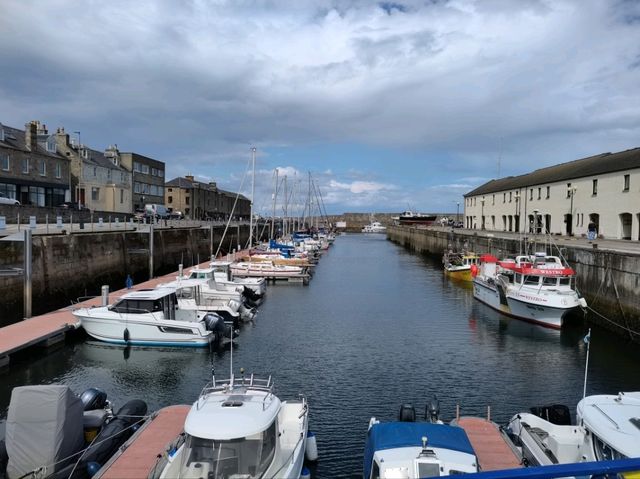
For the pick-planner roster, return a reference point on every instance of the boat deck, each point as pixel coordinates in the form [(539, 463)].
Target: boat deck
[(140, 454), (491, 448), (50, 328)]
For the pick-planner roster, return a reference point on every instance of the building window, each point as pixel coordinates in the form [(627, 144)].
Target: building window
[(136, 187), (145, 169), (504, 197), (161, 173), (95, 194), (25, 166), (5, 163), (170, 190), (121, 196), (58, 170), (169, 199), (493, 200), (43, 168), (510, 196), (186, 200), (530, 194), (548, 192), (539, 193), (95, 171), (568, 190), (594, 187), (136, 167), (626, 181), (154, 172)]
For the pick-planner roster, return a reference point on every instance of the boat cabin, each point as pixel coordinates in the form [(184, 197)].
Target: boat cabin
[(148, 301), (417, 449), (231, 432), (222, 268)]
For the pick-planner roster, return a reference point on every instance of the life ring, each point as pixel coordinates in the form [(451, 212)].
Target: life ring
[(474, 270)]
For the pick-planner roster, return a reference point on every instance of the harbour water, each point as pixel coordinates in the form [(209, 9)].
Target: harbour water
[(377, 326)]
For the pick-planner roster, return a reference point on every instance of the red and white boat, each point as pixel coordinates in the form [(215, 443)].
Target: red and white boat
[(537, 288)]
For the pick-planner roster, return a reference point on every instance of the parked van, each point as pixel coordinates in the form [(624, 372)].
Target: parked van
[(156, 211)]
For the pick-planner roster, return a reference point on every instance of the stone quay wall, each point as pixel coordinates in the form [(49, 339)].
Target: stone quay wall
[(21, 213), (609, 280), (66, 267)]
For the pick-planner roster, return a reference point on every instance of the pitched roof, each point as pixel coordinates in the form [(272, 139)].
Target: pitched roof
[(16, 139), (590, 166), (97, 158), (180, 182), (186, 183)]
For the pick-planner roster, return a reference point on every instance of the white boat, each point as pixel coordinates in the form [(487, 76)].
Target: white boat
[(150, 317), (607, 427), (265, 269), (190, 297), (239, 429), (214, 289), (374, 227), (222, 274), (408, 449), (539, 288)]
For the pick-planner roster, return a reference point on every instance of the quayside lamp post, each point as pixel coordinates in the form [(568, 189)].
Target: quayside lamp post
[(482, 212), (535, 221), (457, 212)]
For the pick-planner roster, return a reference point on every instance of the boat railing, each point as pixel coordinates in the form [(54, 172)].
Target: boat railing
[(252, 382), (579, 469)]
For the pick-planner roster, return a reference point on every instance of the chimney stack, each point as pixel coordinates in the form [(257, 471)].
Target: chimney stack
[(189, 177), (31, 135)]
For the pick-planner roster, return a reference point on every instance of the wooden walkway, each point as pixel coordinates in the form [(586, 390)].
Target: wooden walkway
[(145, 448), (491, 449), (50, 328)]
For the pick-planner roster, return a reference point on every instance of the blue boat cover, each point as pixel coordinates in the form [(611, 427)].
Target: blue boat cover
[(393, 435)]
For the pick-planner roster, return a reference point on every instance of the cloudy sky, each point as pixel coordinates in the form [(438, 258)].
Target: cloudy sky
[(389, 105)]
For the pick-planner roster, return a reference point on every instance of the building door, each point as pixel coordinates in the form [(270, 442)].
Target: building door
[(625, 226), (568, 221), (547, 223), (81, 197)]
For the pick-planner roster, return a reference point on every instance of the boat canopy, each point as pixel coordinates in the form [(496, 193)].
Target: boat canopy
[(395, 435)]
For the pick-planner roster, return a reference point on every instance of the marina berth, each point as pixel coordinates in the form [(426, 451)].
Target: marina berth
[(150, 317), (536, 288)]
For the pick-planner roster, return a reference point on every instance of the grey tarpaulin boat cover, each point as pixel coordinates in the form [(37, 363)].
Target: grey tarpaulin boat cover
[(44, 425)]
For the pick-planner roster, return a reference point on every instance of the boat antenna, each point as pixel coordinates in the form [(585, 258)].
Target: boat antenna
[(253, 192), (587, 340), (231, 364)]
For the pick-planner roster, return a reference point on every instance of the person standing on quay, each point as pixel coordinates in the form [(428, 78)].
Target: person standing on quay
[(129, 282), (591, 231)]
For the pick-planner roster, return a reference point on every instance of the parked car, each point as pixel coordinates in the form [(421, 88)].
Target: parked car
[(176, 215), (5, 200), (71, 205)]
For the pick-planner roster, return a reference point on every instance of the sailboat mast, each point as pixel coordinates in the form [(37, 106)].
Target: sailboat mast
[(275, 196), (286, 200), (253, 192)]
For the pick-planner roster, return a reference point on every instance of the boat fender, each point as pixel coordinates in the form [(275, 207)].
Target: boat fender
[(311, 447), (305, 474), (125, 335), (407, 413), (474, 270), (93, 398), (92, 468)]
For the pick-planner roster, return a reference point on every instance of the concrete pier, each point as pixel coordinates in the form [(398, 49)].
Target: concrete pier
[(608, 271)]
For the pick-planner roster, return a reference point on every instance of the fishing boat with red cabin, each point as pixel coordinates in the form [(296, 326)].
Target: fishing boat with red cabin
[(536, 288)]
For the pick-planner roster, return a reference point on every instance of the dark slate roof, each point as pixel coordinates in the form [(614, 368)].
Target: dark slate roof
[(15, 138), (590, 166), (97, 158), (182, 182)]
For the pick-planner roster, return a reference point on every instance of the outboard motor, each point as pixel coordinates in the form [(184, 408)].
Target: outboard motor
[(556, 414), (432, 411), (407, 413), (230, 332), (93, 398), (213, 322), (251, 294)]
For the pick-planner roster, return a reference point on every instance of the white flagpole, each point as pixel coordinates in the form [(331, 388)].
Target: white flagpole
[(587, 339)]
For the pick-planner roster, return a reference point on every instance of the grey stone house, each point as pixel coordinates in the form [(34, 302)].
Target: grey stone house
[(31, 170)]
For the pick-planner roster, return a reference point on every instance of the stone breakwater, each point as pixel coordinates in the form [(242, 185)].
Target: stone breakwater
[(607, 278)]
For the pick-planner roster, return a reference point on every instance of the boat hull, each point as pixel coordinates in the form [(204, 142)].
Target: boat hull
[(459, 274), (145, 333)]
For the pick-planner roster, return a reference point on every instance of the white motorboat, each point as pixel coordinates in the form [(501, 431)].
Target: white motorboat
[(265, 269), (239, 429), (539, 288), (374, 227), (222, 274), (190, 297), (151, 317), (212, 288), (409, 449), (607, 427)]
